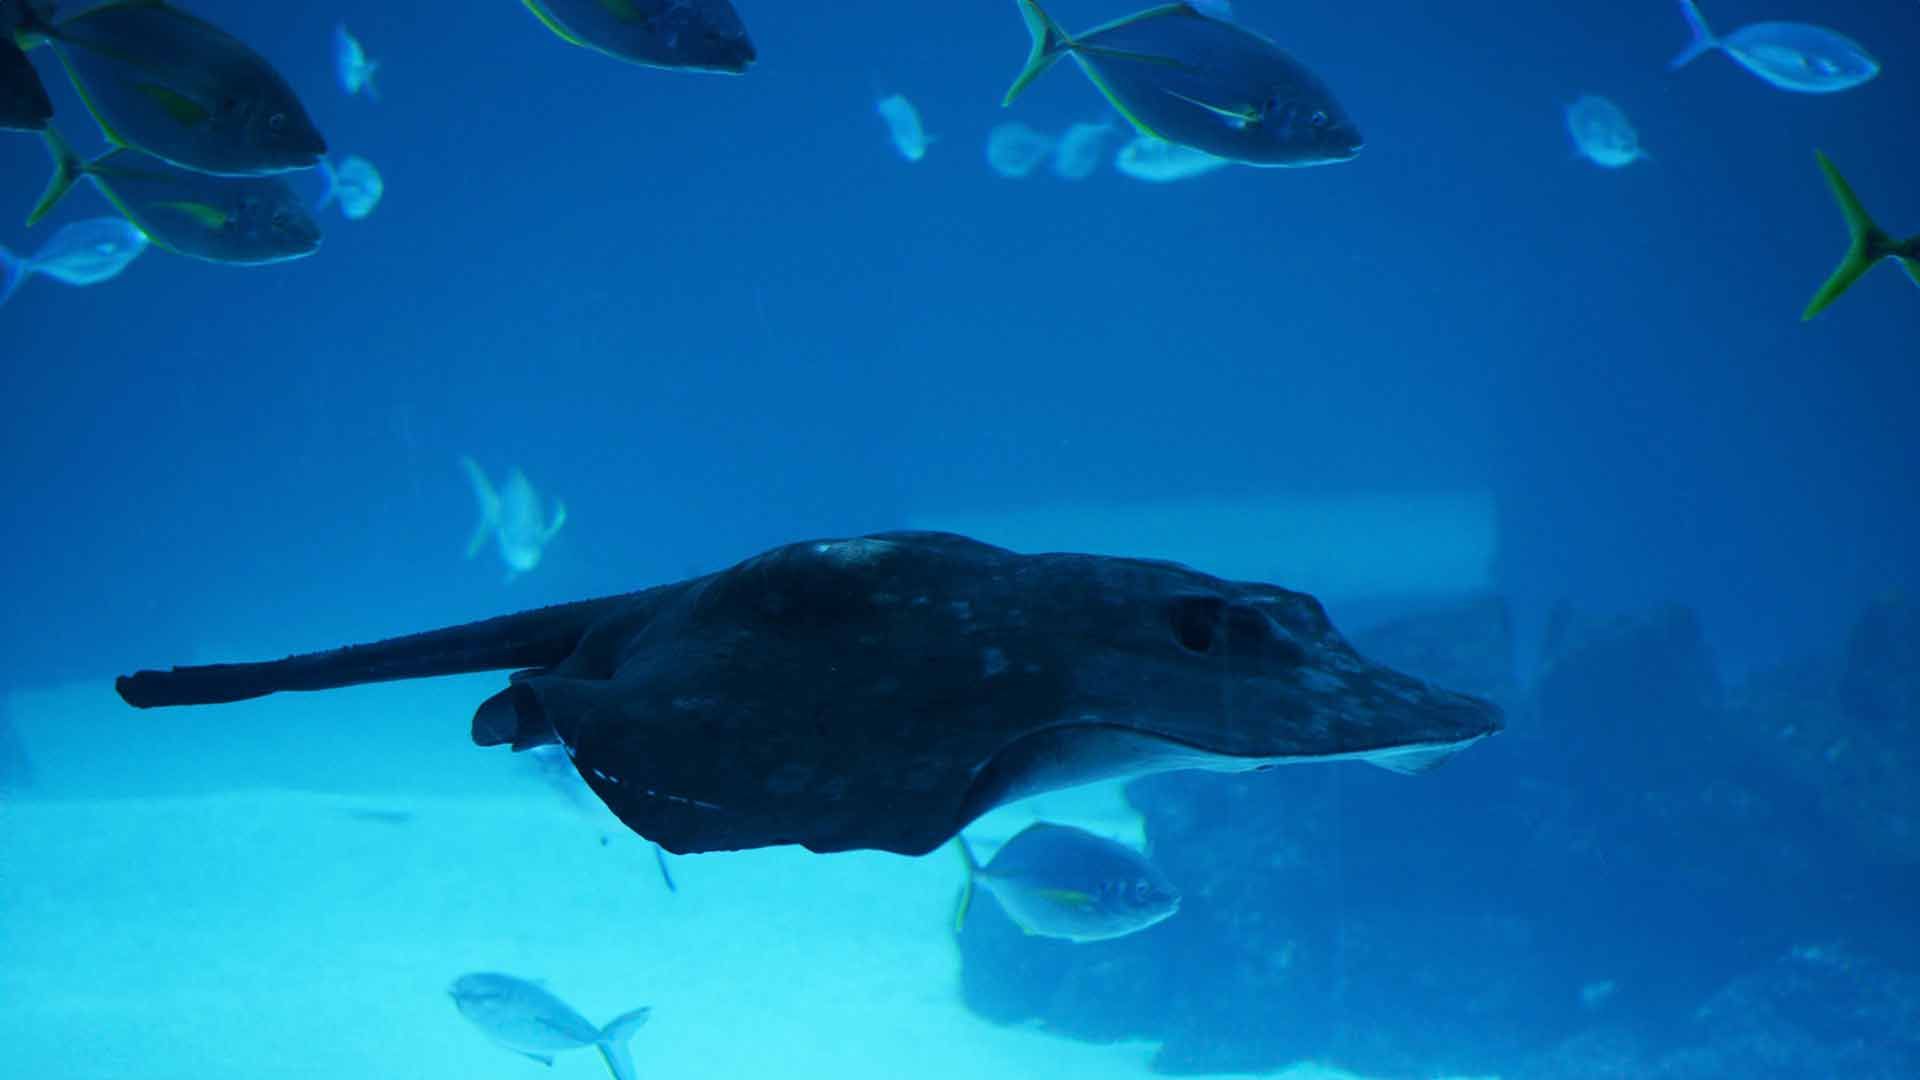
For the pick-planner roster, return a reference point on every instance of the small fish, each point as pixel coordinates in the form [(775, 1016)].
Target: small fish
[(82, 253), (1602, 134), (1015, 150), (1870, 244), (526, 1018), (163, 82), (24, 105), (1792, 56), (352, 66), (684, 35), (354, 183), (1061, 882), (1179, 74), (903, 125), (1081, 149), (514, 518), (240, 220), (1158, 161)]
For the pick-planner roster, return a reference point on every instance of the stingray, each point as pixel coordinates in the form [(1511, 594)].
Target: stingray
[(884, 691)]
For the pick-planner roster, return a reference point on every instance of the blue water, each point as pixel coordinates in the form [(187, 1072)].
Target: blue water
[(715, 314)]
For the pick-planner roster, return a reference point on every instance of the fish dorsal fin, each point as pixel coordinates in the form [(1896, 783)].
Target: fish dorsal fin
[(1175, 10)]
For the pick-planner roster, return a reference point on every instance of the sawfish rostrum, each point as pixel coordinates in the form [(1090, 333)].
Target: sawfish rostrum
[(883, 691)]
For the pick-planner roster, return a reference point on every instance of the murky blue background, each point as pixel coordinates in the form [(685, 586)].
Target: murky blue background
[(714, 314)]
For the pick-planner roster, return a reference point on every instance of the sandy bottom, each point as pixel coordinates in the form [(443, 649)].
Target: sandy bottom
[(277, 934)]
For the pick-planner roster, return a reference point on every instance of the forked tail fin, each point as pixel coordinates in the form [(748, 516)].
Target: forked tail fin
[(67, 170), (332, 179), (1050, 43), (614, 1038), (1868, 244), (1703, 39)]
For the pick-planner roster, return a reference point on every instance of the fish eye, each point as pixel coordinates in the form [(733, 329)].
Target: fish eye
[(1319, 118), (277, 121)]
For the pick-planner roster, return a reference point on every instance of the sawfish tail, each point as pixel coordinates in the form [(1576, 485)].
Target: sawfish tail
[(537, 638)]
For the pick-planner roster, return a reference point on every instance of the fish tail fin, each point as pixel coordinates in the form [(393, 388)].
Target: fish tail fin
[(1910, 258), (13, 270), (332, 179), (489, 501), (614, 1038), (1050, 43), (67, 170), (1703, 39), (1867, 244), (966, 890)]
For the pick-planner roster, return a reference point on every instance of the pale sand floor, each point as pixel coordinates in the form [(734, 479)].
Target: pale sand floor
[(284, 935)]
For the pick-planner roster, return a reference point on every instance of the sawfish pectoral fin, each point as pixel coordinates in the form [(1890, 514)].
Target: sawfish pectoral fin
[(1413, 762), (535, 708)]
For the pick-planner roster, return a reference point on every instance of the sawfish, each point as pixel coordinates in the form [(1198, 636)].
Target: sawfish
[(883, 691)]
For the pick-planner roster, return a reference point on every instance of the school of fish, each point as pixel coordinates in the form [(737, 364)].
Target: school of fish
[(203, 130)]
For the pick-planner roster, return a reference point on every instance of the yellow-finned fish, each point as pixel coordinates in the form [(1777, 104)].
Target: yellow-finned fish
[(1061, 882)]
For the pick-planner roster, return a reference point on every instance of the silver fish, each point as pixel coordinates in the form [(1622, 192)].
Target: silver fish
[(1792, 56), (82, 253), (514, 517), (1014, 150), (1158, 161), (1602, 134), (903, 126), (354, 183), (525, 1017), (352, 66), (1080, 149)]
